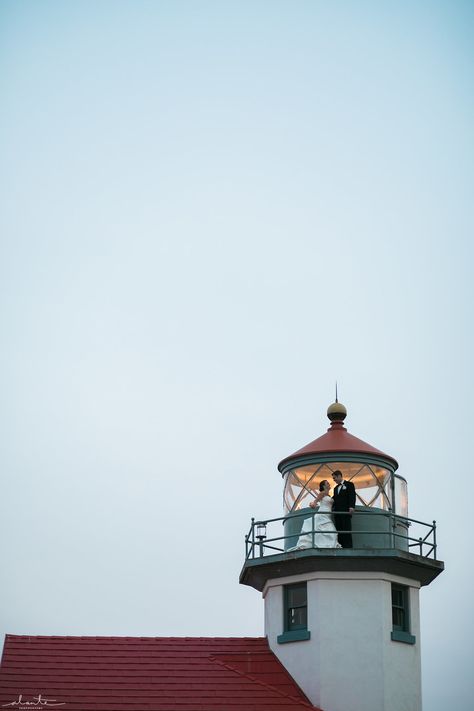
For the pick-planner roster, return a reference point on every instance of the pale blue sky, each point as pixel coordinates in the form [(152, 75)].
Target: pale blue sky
[(211, 211)]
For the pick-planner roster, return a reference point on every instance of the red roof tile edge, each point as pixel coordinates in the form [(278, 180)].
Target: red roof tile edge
[(295, 699)]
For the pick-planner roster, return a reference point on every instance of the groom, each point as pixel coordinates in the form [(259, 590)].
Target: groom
[(344, 500)]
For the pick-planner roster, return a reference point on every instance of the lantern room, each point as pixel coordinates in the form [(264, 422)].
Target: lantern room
[(372, 472), (382, 536)]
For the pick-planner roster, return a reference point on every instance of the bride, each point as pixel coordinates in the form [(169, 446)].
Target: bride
[(325, 534)]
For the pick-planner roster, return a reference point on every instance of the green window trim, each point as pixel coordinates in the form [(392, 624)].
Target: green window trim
[(295, 613), (401, 615), (403, 637), (295, 636)]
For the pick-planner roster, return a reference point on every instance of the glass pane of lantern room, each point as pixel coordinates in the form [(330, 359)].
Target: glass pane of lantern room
[(291, 491), (308, 491), (302, 485), (297, 488), (401, 496), (372, 483)]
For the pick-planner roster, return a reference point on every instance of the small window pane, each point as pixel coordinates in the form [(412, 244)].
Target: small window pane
[(297, 596), (296, 615), (400, 616), (297, 618), (397, 597)]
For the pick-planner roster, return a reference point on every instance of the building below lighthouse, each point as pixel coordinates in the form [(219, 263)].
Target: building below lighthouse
[(341, 609)]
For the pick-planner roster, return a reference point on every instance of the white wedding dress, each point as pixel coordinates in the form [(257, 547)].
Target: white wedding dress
[(325, 534)]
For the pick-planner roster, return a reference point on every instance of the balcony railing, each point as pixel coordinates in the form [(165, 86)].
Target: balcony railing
[(266, 537)]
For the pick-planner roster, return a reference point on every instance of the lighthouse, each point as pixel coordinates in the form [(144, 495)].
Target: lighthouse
[(344, 620)]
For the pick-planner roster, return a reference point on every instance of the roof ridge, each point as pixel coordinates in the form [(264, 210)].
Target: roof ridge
[(127, 637), (295, 699)]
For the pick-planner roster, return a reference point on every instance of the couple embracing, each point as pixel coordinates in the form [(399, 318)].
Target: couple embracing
[(329, 533)]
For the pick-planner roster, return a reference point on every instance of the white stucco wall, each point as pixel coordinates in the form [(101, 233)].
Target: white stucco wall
[(350, 663)]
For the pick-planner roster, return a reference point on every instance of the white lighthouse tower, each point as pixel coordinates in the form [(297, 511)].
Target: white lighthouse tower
[(345, 621)]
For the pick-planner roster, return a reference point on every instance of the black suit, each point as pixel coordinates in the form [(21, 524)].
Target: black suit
[(344, 499)]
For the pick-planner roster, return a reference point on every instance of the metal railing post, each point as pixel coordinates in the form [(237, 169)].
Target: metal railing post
[(434, 539), (253, 538)]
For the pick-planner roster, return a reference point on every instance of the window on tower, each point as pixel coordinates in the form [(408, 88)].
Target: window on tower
[(295, 613), (401, 614)]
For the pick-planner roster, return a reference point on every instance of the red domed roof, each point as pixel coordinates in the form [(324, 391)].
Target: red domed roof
[(337, 439)]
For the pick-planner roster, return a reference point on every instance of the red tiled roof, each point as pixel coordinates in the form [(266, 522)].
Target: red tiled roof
[(145, 674), (336, 440)]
